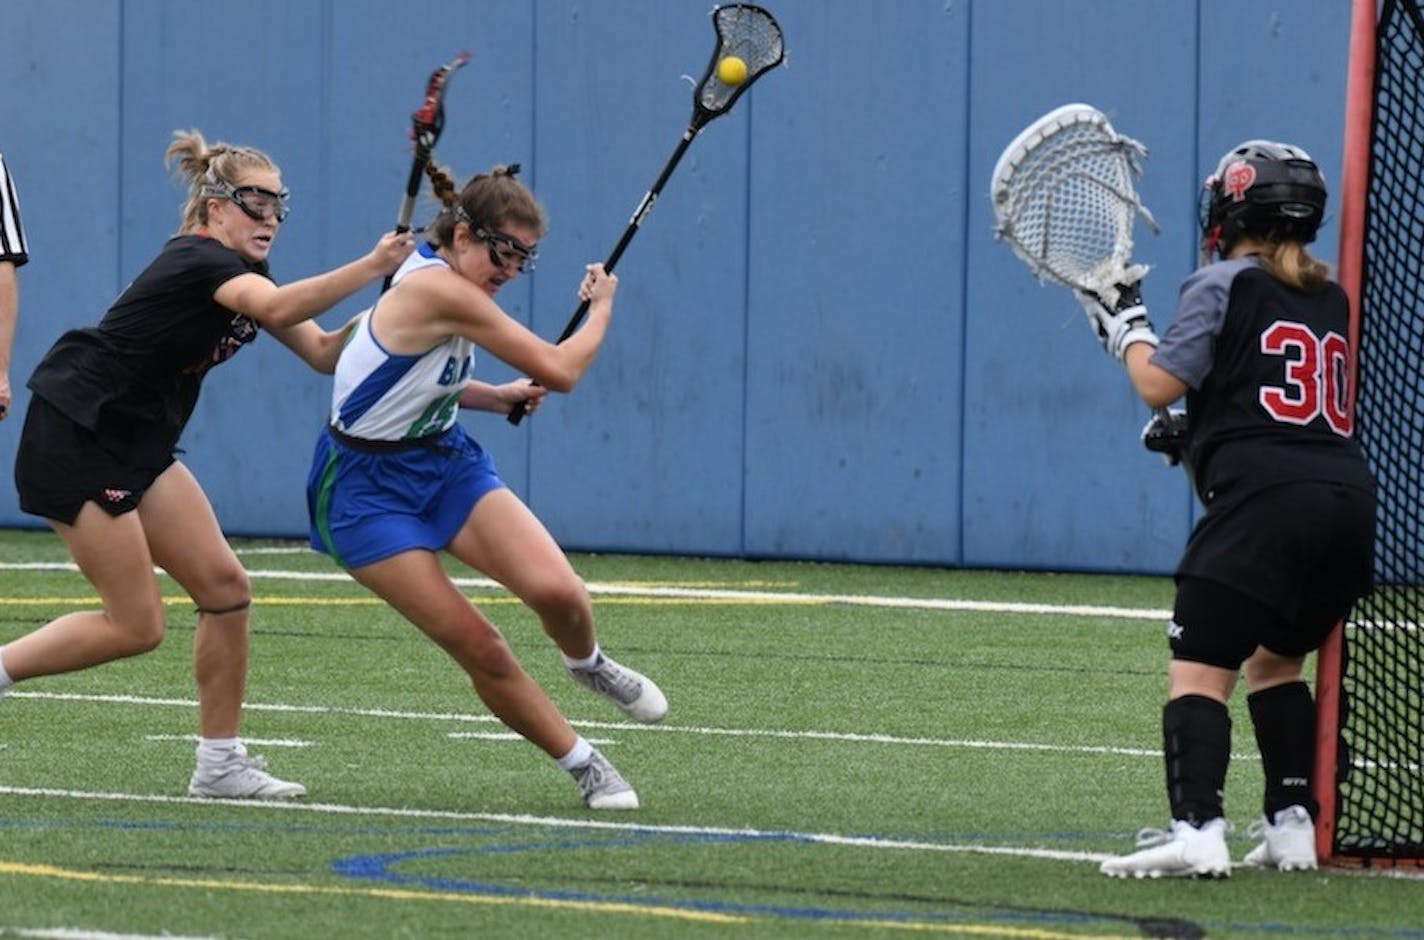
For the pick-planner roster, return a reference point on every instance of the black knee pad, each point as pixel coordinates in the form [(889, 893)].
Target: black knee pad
[(240, 605)]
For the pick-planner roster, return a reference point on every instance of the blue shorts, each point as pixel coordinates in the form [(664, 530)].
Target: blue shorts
[(368, 506)]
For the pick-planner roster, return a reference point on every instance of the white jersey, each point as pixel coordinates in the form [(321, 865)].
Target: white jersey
[(382, 396)]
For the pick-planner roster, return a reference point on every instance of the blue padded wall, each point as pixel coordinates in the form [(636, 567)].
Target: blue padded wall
[(819, 351)]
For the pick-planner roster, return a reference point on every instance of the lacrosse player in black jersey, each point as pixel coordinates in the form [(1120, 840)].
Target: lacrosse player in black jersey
[(1260, 348), (96, 454)]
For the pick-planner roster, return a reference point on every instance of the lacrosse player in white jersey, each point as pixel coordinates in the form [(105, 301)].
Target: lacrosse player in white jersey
[(395, 479)]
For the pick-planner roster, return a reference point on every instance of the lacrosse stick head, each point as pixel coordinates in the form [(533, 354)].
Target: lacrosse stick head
[(1065, 201), (751, 34), (428, 120)]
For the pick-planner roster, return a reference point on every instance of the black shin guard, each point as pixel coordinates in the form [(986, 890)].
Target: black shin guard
[(1196, 743), (1284, 717)]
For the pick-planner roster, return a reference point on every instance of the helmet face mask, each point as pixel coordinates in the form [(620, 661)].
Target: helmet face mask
[(1264, 189)]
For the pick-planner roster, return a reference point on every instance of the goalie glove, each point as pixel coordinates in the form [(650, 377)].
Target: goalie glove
[(1121, 323), (1167, 434)]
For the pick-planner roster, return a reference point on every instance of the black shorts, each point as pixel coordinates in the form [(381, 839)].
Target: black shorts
[(1220, 626), (1277, 570), (62, 465)]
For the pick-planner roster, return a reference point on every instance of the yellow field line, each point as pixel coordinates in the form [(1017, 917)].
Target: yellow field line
[(397, 894), (25, 869)]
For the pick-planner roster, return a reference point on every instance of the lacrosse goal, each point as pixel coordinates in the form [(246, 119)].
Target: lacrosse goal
[(1370, 679)]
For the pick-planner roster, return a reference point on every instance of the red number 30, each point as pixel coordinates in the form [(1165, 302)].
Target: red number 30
[(1317, 377)]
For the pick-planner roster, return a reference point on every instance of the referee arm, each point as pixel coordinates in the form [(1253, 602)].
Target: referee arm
[(13, 253)]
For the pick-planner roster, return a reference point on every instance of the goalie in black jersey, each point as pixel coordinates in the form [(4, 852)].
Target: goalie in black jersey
[(1260, 348)]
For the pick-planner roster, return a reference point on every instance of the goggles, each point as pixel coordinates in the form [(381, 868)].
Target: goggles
[(506, 251), (257, 203)]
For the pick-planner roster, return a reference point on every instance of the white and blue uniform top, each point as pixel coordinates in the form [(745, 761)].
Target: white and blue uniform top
[(383, 396)]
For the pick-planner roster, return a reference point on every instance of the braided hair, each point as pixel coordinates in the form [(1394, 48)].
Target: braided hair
[(489, 200)]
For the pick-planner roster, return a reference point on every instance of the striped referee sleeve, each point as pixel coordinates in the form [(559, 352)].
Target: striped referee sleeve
[(12, 233)]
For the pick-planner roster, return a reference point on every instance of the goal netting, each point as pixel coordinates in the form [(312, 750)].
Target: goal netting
[(1371, 676)]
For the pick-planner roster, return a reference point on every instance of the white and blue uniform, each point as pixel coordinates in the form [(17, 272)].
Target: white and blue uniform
[(394, 471)]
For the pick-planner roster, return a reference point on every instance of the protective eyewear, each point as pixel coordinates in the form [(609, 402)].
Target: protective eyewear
[(506, 251), (257, 203)]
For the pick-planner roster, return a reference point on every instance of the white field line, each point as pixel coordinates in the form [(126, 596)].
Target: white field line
[(259, 742), (76, 933), (624, 727), (727, 594), (512, 736), (521, 819), (276, 550)]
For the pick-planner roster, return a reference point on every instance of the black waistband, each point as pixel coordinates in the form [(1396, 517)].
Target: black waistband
[(368, 446)]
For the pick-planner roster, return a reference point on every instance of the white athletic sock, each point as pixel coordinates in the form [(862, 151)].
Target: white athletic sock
[(5, 680), (217, 750), (581, 754), (586, 663)]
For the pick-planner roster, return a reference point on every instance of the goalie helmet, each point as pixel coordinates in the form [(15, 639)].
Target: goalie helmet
[(1262, 188)]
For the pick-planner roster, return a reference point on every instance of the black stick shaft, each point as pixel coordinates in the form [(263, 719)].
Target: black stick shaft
[(516, 414), (407, 206)]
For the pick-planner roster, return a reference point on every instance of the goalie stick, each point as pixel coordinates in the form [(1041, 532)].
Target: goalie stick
[(1064, 200)]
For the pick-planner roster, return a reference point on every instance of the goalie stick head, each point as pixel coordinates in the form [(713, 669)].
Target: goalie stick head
[(1065, 201), (1261, 188)]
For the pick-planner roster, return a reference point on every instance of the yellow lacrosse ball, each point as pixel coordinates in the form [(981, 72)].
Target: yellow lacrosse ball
[(732, 70)]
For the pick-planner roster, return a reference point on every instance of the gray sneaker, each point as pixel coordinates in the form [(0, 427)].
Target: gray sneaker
[(602, 786), (241, 777), (631, 691)]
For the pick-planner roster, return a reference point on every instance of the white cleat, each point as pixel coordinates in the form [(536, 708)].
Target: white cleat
[(1288, 843), (241, 777), (1183, 851)]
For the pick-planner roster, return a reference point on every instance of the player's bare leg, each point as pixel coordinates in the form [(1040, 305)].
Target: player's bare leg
[(187, 542), (112, 554), (415, 584), (506, 541)]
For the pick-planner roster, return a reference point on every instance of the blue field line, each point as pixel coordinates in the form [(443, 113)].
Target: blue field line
[(379, 868)]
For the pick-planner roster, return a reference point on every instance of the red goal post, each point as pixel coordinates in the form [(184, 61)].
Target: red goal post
[(1369, 772)]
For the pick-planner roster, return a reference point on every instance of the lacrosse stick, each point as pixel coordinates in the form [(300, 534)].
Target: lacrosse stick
[(1065, 202), (749, 45), (426, 123)]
